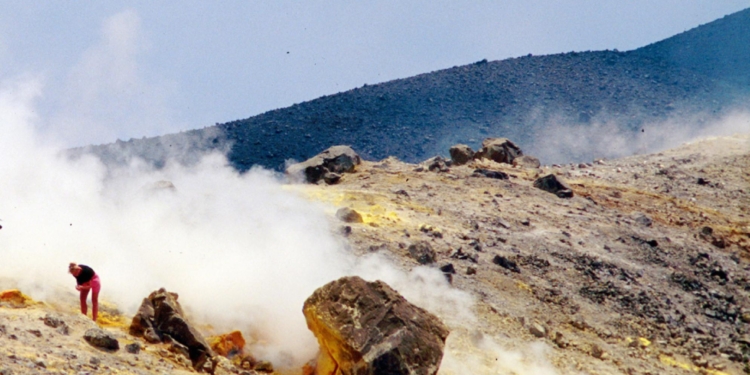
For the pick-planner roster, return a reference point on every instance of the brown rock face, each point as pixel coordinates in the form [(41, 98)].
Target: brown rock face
[(160, 319), (500, 150), (461, 154), (367, 328)]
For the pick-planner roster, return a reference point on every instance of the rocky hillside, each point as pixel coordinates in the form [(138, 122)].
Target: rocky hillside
[(720, 50), (698, 73), (644, 270)]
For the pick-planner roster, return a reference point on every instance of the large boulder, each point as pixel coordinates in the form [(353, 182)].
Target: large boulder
[(500, 150), (161, 319), (327, 166), (367, 328)]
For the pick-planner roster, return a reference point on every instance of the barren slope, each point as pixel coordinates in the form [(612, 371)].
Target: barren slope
[(626, 265), (623, 278)]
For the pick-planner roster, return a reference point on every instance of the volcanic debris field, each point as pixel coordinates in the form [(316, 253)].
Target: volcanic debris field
[(645, 270)]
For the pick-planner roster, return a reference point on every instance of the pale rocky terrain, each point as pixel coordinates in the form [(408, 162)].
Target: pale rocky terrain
[(623, 278)]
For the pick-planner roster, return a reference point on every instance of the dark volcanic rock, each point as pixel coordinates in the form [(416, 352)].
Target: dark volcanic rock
[(368, 328), (161, 319), (422, 252), (554, 185), (479, 172), (101, 339)]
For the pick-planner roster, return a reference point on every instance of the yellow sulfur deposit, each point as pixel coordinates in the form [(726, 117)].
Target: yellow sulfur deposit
[(15, 298)]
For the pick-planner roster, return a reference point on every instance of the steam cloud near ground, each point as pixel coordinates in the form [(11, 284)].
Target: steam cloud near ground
[(242, 252), (557, 143)]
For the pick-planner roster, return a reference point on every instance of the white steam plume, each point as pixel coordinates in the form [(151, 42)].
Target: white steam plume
[(585, 142)]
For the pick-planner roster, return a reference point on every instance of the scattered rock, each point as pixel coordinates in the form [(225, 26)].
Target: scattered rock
[(459, 254), (133, 348), (642, 219), (63, 330), (471, 270), (506, 263), (448, 271), (526, 161), (552, 184), (461, 154), (336, 160), (422, 252), (436, 164), (348, 215), (431, 231), (479, 172), (263, 366), (53, 321), (448, 268), (500, 150), (368, 328), (598, 352), (538, 330), (559, 340), (101, 339)]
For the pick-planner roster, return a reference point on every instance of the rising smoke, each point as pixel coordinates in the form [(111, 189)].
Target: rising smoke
[(560, 142)]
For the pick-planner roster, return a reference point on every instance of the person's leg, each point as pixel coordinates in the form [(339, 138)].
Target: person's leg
[(96, 286), (84, 295)]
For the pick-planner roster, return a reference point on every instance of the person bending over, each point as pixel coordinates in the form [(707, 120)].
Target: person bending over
[(87, 280)]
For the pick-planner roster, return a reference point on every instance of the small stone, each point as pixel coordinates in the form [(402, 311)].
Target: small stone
[(559, 340), (263, 366), (53, 321), (422, 252), (579, 323), (35, 332), (348, 215), (63, 329), (598, 352), (538, 330), (133, 348), (448, 268), (471, 271), (506, 263), (94, 361), (99, 338)]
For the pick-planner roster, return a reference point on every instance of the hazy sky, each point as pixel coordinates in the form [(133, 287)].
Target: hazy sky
[(107, 70)]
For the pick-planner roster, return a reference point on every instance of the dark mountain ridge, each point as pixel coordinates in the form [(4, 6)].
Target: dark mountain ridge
[(697, 73)]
